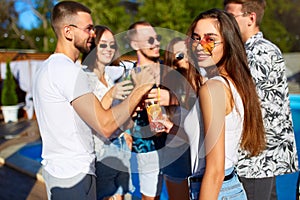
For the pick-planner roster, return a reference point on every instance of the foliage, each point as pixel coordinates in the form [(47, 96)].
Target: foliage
[(110, 13), (8, 14), (9, 95), (280, 23), (274, 25), (177, 15)]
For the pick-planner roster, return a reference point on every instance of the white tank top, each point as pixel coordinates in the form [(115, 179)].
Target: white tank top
[(233, 126), (193, 126)]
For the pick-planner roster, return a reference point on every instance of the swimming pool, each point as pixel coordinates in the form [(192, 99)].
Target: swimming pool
[(288, 184), (295, 108), (32, 151)]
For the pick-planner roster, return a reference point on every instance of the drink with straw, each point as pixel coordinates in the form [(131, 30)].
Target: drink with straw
[(154, 112)]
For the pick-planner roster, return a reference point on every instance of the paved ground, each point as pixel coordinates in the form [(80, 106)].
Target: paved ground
[(18, 174), (15, 185)]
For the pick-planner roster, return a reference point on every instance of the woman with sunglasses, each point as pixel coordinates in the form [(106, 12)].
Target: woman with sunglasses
[(113, 154), (229, 104), (177, 171)]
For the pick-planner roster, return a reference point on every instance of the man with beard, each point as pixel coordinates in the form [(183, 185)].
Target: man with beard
[(67, 109), (146, 43)]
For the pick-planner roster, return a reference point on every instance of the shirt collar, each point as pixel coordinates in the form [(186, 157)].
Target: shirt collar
[(253, 38)]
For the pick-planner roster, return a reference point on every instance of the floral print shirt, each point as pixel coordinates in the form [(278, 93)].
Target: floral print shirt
[(268, 70)]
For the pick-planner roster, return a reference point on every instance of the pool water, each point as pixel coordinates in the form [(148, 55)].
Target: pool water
[(32, 151), (288, 184), (295, 108)]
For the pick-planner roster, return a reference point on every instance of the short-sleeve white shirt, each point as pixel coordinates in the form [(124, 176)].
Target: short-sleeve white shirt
[(67, 141)]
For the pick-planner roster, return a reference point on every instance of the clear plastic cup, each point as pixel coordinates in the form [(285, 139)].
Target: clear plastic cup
[(154, 112)]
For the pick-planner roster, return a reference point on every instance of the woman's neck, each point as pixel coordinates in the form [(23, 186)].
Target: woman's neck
[(99, 69), (100, 73)]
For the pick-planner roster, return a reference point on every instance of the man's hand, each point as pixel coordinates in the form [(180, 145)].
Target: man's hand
[(144, 78), (122, 90), (162, 96)]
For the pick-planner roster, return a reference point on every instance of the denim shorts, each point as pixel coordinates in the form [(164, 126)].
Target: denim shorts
[(231, 189), (113, 169)]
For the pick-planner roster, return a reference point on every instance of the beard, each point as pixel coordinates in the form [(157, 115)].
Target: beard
[(82, 47), (152, 58)]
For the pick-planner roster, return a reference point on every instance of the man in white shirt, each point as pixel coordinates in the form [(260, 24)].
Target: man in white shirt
[(67, 110)]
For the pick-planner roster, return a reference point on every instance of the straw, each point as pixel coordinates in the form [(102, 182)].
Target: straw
[(158, 94)]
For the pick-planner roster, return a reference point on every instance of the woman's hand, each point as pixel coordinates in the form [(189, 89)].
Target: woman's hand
[(166, 122), (122, 90)]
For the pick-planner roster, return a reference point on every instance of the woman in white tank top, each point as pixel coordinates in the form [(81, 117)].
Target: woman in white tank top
[(230, 107)]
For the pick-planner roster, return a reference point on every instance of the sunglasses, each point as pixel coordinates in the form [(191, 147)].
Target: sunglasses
[(104, 46), (208, 43), (179, 56), (151, 39)]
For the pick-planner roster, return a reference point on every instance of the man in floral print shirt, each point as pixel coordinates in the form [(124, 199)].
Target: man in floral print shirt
[(258, 174)]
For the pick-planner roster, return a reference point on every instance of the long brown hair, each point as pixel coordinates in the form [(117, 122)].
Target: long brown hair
[(185, 83), (234, 60), (169, 57)]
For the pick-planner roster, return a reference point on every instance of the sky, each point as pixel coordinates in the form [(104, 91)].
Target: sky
[(27, 19)]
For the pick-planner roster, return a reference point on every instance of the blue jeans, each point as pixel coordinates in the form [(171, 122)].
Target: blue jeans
[(231, 189), (113, 169)]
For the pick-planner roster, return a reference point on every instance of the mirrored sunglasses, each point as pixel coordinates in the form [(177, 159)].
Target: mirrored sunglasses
[(208, 43), (104, 46), (179, 56), (151, 39)]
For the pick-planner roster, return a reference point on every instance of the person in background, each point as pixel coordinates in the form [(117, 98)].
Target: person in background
[(230, 118), (258, 173), (112, 165), (67, 110), (146, 43), (176, 55), (149, 146), (179, 169)]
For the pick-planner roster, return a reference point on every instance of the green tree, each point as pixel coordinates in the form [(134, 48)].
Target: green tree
[(15, 36), (9, 95), (110, 13), (12, 36), (274, 26), (176, 15), (42, 10), (280, 23)]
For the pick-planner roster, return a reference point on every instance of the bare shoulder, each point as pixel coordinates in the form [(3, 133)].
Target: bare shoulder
[(212, 84)]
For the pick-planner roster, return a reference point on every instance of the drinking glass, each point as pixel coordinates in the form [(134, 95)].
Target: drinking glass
[(154, 112)]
